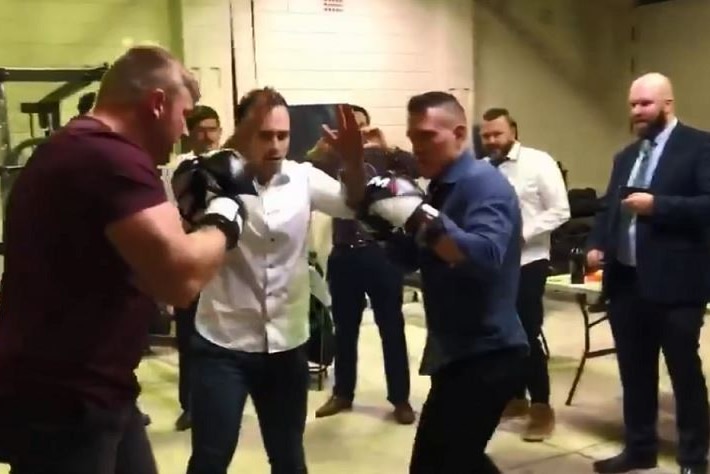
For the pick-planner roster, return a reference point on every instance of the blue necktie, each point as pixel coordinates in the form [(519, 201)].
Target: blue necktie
[(639, 180)]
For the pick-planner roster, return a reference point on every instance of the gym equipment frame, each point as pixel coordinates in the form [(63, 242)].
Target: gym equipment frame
[(47, 109)]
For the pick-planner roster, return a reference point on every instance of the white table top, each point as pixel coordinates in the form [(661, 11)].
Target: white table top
[(561, 284)]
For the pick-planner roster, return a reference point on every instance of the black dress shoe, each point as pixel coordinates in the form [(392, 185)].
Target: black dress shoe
[(624, 463), (693, 469), (184, 422)]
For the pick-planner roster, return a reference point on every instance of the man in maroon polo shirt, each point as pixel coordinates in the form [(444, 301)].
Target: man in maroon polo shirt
[(91, 243)]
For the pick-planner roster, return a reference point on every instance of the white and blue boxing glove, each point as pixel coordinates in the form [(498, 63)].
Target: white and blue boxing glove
[(396, 202)]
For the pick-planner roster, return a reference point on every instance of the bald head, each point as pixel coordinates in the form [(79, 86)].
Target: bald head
[(651, 104), (653, 84)]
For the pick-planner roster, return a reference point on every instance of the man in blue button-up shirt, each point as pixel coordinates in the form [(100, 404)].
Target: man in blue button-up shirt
[(475, 341)]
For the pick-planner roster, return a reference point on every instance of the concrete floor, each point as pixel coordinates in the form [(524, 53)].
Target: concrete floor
[(366, 442)]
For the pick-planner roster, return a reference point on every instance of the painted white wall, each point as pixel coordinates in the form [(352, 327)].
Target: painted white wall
[(561, 67), (206, 50), (376, 54), (672, 38)]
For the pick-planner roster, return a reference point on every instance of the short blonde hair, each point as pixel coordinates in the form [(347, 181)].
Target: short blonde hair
[(143, 68)]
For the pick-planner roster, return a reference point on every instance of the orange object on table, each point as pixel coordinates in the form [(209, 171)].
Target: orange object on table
[(593, 276)]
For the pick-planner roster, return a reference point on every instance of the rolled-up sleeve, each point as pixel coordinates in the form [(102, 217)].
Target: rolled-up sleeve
[(487, 227), (328, 195)]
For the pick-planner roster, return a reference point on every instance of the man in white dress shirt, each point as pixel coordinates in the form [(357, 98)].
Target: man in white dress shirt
[(252, 318), (544, 204)]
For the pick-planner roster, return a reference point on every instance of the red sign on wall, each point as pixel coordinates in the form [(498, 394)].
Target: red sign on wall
[(333, 5)]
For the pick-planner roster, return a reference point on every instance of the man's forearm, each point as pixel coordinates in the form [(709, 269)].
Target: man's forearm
[(208, 252), (545, 223), (597, 235), (190, 265), (354, 179)]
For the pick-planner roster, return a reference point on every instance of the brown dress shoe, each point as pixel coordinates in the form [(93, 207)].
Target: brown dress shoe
[(333, 406), (404, 414), (516, 408), (541, 423)]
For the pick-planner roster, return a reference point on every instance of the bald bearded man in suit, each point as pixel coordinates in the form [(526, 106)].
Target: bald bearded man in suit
[(653, 242)]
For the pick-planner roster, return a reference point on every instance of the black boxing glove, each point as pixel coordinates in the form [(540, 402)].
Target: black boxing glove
[(425, 225), (396, 202), (208, 189), (228, 167)]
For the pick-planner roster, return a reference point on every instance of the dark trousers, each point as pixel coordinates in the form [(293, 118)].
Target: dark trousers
[(352, 274), (531, 312), (184, 331), (642, 329), (221, 381), (461, 413), (90, 440)]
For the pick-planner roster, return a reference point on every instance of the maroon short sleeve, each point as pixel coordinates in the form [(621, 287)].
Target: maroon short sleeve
[(126, 180), (73, 325)]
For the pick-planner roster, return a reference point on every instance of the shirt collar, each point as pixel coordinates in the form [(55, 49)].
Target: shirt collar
[(279, 179), (662, 137), (514, 152), (457, 169)]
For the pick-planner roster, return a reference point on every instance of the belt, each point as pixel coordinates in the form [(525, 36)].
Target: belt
[(358, 244)]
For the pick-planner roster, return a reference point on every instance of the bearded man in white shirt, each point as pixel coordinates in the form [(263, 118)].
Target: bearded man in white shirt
[(544, 204), (252, 318)]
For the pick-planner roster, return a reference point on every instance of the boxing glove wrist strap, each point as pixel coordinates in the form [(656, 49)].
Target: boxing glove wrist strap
[(230, 231), (425, 225), (223, 213)]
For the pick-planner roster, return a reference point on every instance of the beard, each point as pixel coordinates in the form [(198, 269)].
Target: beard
[(653, 127), (498, 152)]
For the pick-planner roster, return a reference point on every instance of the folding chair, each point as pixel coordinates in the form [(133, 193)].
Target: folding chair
[(321, 343)]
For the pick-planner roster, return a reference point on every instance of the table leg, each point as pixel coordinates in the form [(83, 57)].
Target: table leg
[(587, 354), (545, 347)]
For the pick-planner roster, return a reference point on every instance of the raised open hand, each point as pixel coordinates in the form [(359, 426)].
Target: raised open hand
[(347, 140)]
